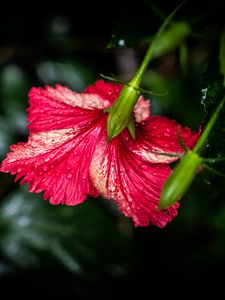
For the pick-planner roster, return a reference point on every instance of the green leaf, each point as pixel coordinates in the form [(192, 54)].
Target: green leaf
[(212, 85), (212, 92), (171, 38), (222, 56)]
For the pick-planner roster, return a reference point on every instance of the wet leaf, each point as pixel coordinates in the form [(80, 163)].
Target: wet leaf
[(213, 91)]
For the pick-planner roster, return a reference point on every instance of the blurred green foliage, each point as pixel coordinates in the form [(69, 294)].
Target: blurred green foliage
[(91, 251)]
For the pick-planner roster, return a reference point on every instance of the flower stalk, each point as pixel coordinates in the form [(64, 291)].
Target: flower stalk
[(120, 114), (185, 171)]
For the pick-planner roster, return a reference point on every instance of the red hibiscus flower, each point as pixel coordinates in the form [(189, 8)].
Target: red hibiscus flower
[(68, 156)]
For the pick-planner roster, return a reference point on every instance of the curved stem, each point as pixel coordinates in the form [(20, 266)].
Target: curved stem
[(138, 77)]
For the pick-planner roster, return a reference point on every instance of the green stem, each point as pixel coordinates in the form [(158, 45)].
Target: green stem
[(135, 82), (203, 138), (120, 113)]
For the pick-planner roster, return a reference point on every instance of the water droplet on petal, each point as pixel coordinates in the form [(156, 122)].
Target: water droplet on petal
[(144, 167), (47, 159), (112, 189), (70, 175), (106, 102), (45, 168)]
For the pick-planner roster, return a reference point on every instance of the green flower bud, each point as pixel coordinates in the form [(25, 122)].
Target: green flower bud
[(121, 113), (180, 179)]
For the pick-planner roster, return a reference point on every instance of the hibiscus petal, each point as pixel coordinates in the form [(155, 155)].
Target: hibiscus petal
[(56, 162), (159, 134), (141, 110), (106, 90), (56, 108), (135, 185)]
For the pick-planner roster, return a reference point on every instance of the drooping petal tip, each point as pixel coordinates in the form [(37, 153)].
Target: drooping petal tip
[(133, 184)]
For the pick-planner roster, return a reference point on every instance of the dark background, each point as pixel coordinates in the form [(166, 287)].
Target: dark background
[(91, 251)]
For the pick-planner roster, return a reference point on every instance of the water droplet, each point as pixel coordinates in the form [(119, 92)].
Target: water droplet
[(18, 170), (45, 168), (47, 159), (144, 167), (112, 189), (70, 175)]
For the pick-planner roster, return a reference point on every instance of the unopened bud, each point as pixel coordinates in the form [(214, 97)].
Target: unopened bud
[(180, 179), (121, 113)]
